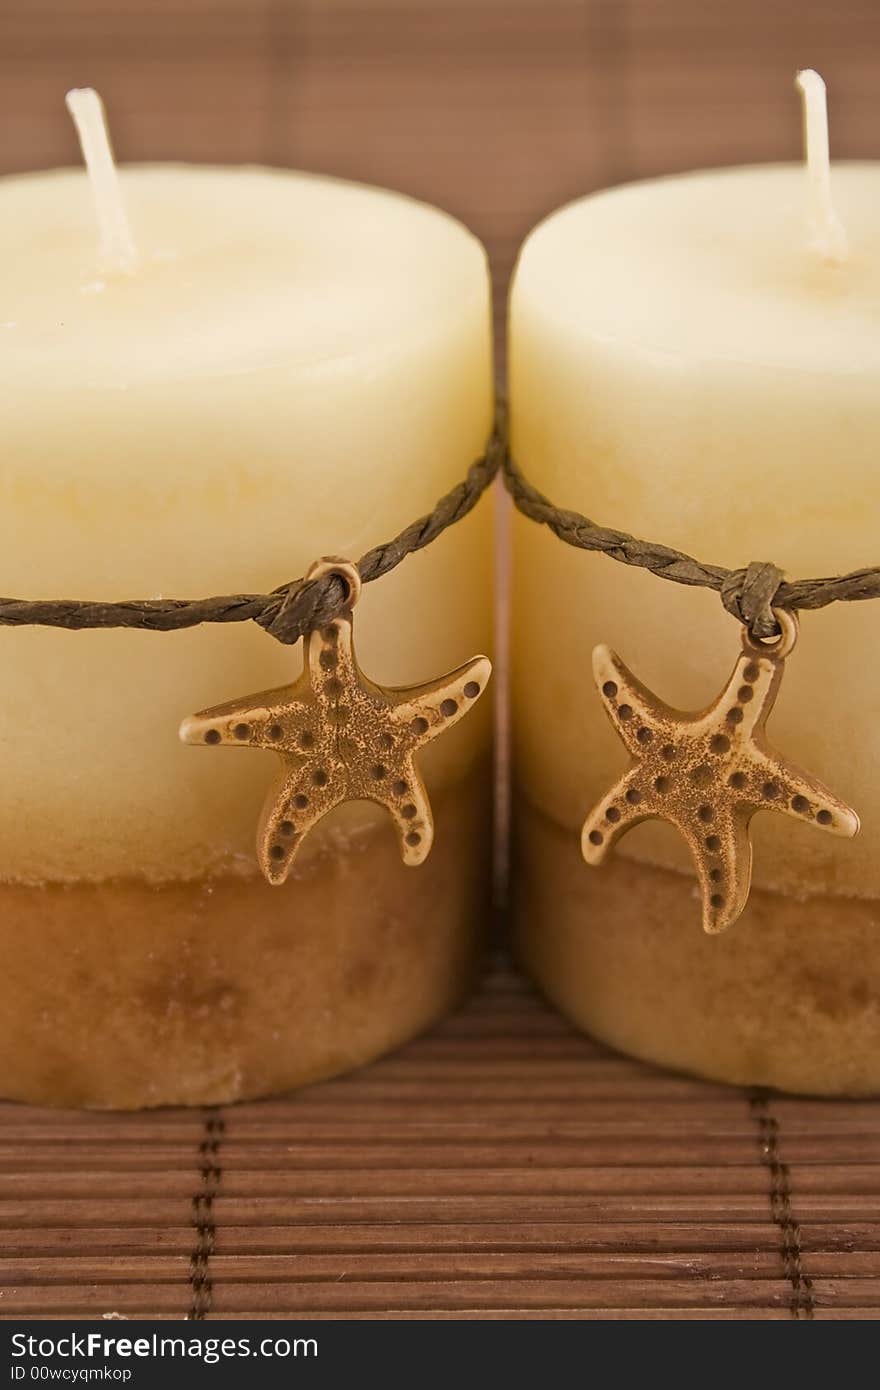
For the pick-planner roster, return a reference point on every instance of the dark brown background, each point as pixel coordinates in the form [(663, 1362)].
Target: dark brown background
[(498, 110)]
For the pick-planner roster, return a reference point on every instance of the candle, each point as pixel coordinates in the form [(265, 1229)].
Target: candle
[(696, 360), (226, 375)]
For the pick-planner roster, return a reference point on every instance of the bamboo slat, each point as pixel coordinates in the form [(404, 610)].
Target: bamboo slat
[(474, 1174)]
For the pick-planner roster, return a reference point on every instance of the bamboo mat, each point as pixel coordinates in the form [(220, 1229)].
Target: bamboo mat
[(501, 1167)]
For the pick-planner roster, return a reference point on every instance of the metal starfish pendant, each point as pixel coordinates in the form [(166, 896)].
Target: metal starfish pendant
[(340, 737), (708, 773)]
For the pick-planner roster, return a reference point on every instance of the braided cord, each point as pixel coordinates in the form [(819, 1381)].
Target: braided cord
[(289, 611), (749, 594)]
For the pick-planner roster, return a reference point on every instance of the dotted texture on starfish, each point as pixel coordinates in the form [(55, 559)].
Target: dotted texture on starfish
[(341, 738), (706, 773)]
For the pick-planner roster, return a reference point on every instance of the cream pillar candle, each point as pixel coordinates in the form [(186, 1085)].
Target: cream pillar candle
[(279, 367), (696, 360)]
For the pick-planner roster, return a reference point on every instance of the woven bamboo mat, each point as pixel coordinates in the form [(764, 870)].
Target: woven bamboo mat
[(502, 1167)]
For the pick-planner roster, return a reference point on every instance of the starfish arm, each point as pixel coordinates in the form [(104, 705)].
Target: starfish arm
[(257, 721), (624, 806), (630, 706), (776, 785), (294, 805), (428, 710), (722, 855), (406, 801), (743, 706), (330, 659)]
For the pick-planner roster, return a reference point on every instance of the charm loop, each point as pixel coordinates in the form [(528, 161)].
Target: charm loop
[(344, 570), (778, 647)]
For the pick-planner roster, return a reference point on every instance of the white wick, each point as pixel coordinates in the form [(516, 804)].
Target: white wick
[(118, 251), (829, 236)]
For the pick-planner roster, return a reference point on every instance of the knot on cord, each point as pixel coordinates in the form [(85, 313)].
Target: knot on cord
[(304, 605), (749, 594)]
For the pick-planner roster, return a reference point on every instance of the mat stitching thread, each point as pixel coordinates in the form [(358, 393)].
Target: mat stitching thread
[(203, 1216), (802, 1305)]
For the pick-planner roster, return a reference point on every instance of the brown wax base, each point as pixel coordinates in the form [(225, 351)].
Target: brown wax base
[(122, 995), (789, 997)]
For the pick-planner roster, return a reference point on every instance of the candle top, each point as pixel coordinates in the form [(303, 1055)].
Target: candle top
[(713, 266), (238, 269)]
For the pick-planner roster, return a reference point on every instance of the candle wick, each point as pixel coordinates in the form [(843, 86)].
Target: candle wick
[(829, 235), (118, 250)]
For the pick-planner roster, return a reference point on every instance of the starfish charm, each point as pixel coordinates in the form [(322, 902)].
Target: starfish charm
[(707, 773), (341, 738)]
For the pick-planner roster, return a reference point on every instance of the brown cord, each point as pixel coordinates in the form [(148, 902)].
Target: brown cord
[(289, 611), (749, 594), (802, 1304), (203, 1219)]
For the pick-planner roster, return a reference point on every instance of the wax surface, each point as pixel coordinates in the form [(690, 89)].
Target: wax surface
[(685, 367), (712, 268), (299, 367)]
